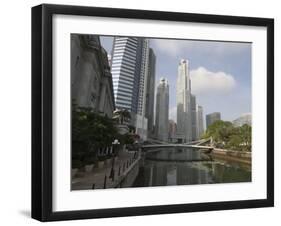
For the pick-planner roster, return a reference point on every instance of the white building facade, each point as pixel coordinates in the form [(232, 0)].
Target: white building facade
[(129, 68), (162, 110), (200, 123), (243, 119), (184, 120), (194, 119)]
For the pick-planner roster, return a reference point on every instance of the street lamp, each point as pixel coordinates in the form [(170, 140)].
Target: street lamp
[(137, 146), (114, 143)]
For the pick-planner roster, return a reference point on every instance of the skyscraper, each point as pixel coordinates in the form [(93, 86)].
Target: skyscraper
[(243, 119), (194, 124), (128, 68), (162, 110), (172, 131), (133, 72), (150, 90), (211, 118), (184, 122), (200, 124)]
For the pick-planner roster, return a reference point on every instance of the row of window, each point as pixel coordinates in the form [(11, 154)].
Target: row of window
[(125, 48), (117, 82), (125, 62), (123, 57)]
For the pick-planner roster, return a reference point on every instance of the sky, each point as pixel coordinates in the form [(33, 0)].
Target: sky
[(220, 73)]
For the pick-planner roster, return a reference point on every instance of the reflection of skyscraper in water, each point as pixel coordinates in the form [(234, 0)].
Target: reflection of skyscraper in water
[(171, 175), (192, 173), (159, 175)]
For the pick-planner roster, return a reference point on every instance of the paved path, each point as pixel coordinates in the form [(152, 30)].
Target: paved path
[(100, 177)]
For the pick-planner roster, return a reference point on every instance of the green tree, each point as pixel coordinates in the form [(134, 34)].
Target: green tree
[(246, 135), (90, 131), (225, 135), (220, 131)]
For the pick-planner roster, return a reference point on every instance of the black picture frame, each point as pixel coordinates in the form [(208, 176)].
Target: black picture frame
[(42, 111)]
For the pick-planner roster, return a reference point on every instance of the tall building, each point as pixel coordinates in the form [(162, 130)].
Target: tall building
[(184, 121), (243, 119), (194, 120), (200, 124), (132, 72), (162, 110), (172, 131), (91, 80), (127, 69), (211, 118), (150, 91), (143, 78)]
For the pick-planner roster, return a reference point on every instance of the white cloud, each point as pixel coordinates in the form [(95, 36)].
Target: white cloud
[(204, 81), (173, 113), (182, 48), (171, 47)]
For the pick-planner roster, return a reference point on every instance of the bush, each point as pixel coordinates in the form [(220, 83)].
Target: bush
[(103, 158), (76, 164)]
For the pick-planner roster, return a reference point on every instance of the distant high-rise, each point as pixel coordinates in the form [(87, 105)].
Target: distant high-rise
[(162, 110), (128, 71), (150, 90), (243, 119), (211, 118), (172, 130), (141, 107), (184, 121), (200, 124), (194, 123)]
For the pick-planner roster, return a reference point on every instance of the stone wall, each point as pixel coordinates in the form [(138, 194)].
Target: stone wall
[(91, 80)]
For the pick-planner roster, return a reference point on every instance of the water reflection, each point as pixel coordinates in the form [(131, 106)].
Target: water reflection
[(188, 166)]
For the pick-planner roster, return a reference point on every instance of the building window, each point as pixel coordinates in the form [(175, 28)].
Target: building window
[(77, 61), (93, 98)]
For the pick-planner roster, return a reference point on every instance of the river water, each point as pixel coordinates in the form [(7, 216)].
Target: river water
[(186, 166)]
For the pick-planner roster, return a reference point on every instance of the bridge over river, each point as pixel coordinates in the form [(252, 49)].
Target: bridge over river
[(188, 163), (149, 146), (194, 144)]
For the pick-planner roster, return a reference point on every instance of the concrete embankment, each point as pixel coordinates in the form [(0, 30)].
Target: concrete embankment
[(239, 156), (129, 176)]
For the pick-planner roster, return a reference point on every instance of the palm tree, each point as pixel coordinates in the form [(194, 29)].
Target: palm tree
[(122, 115)]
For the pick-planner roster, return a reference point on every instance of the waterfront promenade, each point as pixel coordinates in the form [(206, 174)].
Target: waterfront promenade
[(110, 175)]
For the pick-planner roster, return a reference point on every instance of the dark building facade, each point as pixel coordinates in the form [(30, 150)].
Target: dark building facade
[(150, 91), (211, 118), (91, 80)]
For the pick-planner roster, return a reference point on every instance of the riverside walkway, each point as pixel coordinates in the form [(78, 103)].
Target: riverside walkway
[(108, 176)]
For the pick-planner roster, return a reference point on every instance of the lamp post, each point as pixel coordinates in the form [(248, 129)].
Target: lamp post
[(137, 146), (114, 143)]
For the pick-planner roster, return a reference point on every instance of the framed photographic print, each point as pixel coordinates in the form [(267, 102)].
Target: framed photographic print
[(146, 112)]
